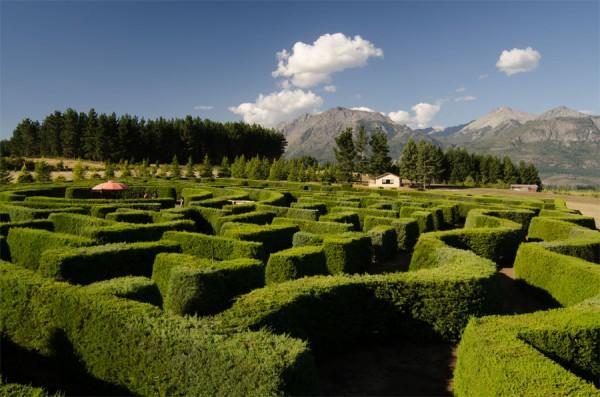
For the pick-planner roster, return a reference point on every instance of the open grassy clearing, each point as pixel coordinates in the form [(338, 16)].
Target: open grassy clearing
[(300, 288)]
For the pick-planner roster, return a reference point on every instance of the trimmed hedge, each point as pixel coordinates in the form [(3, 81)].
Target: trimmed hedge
[(549, 353), (21, 214), (332, 312), (317, 227), (321, 208), (254, 217), (407, 230), (76, 224), (424, 217), (274, 237), (343, 217), (295, 263), (100, 211), (86, 265), (290, 212), (550, 229), (567, 279), (192, 285), (383, 241), (26, 245), (347, 253), (131, 216), (34, 224), (140, 289), (215, 247), (130, 232), (302, 239), (137, 346), (364, 212)]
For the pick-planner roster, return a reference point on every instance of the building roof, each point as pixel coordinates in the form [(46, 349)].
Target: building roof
[(521, 185), (386, 174)]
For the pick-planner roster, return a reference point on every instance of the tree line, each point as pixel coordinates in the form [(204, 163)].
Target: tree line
[(425, 163), (108, 137)]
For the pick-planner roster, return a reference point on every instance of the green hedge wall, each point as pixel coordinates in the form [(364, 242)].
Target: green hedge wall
[(295, 263), (86, 265), (100, 211), (332, 312), (317, 227), (254, 217), (192, 285), (549, 353), (76, 224), (131, 216), (26, 245), (20, 214), (302, 239), (136, 346), (424, 218), (347, 253), (273, 237), (567, 279), (384, 242), (343, 217), (34, 224), (140, 289), (130, 232), (407, 230), (215, 247)]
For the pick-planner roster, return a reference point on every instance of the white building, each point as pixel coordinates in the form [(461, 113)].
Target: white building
[(386, 181)]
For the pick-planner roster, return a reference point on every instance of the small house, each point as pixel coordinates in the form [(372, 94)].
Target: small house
[(524, 188), (387, 180)]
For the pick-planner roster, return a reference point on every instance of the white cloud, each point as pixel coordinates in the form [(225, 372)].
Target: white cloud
[(589, 112), (461, 89), (203, 107), (270, 110), (364, 109), (310, 64), (422, 115), (467, 98), (482, 77), (330, 88), (518, 60)]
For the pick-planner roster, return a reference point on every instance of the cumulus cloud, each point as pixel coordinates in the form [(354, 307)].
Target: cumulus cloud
[(307, 65), (364, 109), (203, 107), (422, 114), (330, 88), (467, 98), (270, 110), (518, 60), (588, 112), (461, 89)]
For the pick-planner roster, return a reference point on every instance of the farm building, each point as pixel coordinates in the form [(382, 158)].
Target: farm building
[(524, 188), (387, 180)]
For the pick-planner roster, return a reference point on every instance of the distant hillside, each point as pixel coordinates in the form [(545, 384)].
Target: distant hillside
[(314, 134), (560, 141)]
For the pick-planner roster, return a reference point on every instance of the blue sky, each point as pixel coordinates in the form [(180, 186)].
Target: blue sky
[(176, 58)]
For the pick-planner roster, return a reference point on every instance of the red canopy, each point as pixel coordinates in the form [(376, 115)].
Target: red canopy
[(111, 185)]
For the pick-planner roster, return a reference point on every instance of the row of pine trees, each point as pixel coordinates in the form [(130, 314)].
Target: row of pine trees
[(108, 137), (424, 163)]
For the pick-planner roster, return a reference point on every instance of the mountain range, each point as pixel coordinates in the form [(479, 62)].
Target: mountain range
[(564, 144)]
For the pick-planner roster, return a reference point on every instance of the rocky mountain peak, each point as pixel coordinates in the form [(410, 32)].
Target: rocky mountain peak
[(561, 112)]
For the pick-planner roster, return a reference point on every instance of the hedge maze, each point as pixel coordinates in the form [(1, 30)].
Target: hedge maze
[(248, 285)]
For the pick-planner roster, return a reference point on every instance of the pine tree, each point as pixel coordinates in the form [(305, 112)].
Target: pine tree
[(125, 170), (509, 171), (277, 171), (24, 176), (380, 160), (224, 170), (70, 134), (238, 168), (175, 169), (42, 172), (109, 170), (408, 161), (88, 138), (78, 171), (207, 168), (189, 169), (345, 155), (425, 163), (362, 157)]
